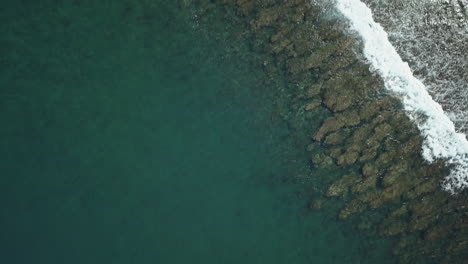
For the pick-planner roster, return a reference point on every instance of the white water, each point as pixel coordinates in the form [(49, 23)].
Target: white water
[(432, 36), (441, 139)]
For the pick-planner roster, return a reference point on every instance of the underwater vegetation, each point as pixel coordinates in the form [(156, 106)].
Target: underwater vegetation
[(348, 122)]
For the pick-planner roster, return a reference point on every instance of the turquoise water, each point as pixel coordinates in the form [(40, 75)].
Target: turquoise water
[(129, 137)]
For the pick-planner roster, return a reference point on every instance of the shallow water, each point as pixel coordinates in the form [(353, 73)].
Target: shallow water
[(129, 137)]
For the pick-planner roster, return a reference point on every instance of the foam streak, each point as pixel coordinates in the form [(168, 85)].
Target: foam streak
[(441, 139)]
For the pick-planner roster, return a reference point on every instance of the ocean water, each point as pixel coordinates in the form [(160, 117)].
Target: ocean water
[(442, 139), (431, 36), (129, 136)]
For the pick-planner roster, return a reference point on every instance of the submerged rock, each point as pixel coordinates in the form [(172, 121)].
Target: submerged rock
[(341, 187), (364, 132), (312, 105), (322, 160), (353, 207), (317, 204), (332, 124)]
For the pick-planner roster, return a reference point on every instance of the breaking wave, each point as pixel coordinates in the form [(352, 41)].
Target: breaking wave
[(442, 141), (432, 36)]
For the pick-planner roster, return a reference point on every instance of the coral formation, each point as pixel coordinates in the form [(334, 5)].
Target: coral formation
[(362, 130)]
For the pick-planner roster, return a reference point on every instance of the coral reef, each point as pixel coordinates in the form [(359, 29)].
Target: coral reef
[(362, 130)]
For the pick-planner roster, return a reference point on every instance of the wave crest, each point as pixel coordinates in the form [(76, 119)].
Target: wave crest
[(442, 141)]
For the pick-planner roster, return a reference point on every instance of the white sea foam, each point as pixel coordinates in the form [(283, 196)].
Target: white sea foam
[(441, 139), (432, 36)]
